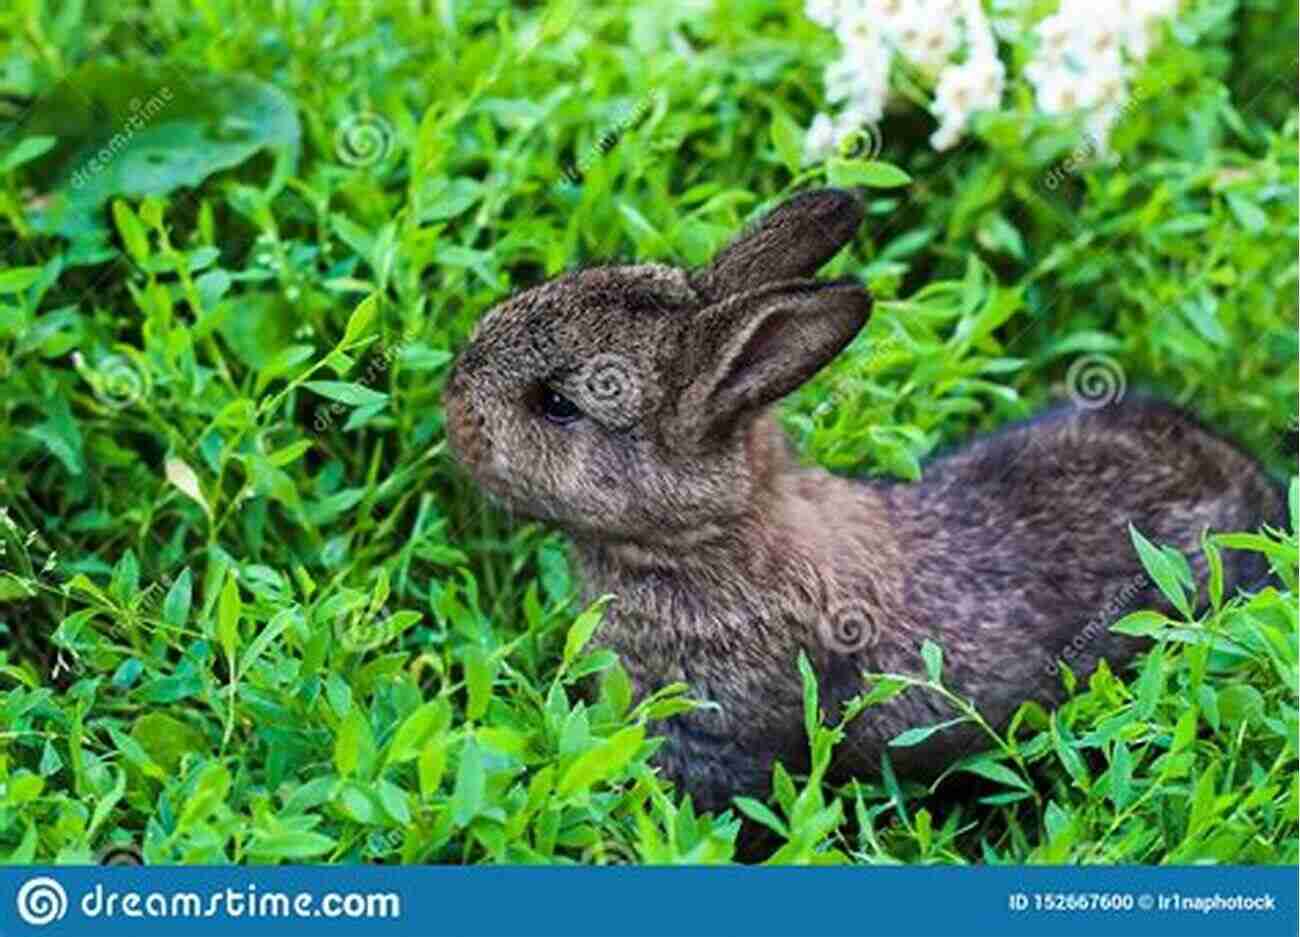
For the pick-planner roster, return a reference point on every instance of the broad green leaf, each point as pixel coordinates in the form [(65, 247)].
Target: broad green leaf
[(135, 130), (602, 762)]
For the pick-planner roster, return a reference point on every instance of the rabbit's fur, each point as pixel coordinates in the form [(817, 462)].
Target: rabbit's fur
[(682, 498)]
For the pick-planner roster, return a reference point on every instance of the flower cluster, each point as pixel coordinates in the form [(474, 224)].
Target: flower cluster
[(1085, 54), (1080, 60), (927, 35)]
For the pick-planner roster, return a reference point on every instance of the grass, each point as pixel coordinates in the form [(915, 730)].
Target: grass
[(250, 610)]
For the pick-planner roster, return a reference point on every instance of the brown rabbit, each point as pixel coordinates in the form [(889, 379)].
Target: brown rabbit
[(630, 406)]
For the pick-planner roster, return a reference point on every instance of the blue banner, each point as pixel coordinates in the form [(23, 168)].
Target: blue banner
[(649, 901)]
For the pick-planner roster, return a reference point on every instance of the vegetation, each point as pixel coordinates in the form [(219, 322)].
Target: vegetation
[(251, 611)]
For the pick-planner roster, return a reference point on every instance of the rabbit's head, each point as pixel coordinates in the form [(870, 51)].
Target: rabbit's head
[(618, 401)]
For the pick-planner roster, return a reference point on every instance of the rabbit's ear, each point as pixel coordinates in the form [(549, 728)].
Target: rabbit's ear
[(790, 242), (750, 350)]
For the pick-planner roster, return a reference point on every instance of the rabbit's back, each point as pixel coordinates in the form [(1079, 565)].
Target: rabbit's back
[(1016, 553)]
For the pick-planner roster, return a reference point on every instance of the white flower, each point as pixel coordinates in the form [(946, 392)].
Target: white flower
[(947, 135), (858, 27), (820, 141), (1081, 59), (823, 12), (1063, 92), (842, 79), (1054, 36), (931, 44)]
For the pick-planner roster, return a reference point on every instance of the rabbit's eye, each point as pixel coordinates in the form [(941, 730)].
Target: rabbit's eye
[(557, 408)]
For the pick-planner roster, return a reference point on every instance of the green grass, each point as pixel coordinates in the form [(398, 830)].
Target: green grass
[(252, 612)]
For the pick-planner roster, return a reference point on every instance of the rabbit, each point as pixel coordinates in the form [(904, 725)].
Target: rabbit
[(631, 406)]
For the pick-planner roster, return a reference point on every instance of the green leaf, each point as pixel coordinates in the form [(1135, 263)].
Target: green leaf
[(360, 319), (210, 792), (137, 130), (602, 762), (416, 729), (1067, 753), (760, 813), (18, 279), (1152, 683), (870, 173), (355, 743), (1162, 571), (786, 138), (354, 394), (1121, 775), (28, 149), (290, 844), (986, 767), (229, 608), (583, 627), (933, 656), (176, 607), (916, 736), (265, 638), (471, 782), (132, 232), (480, 670)]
